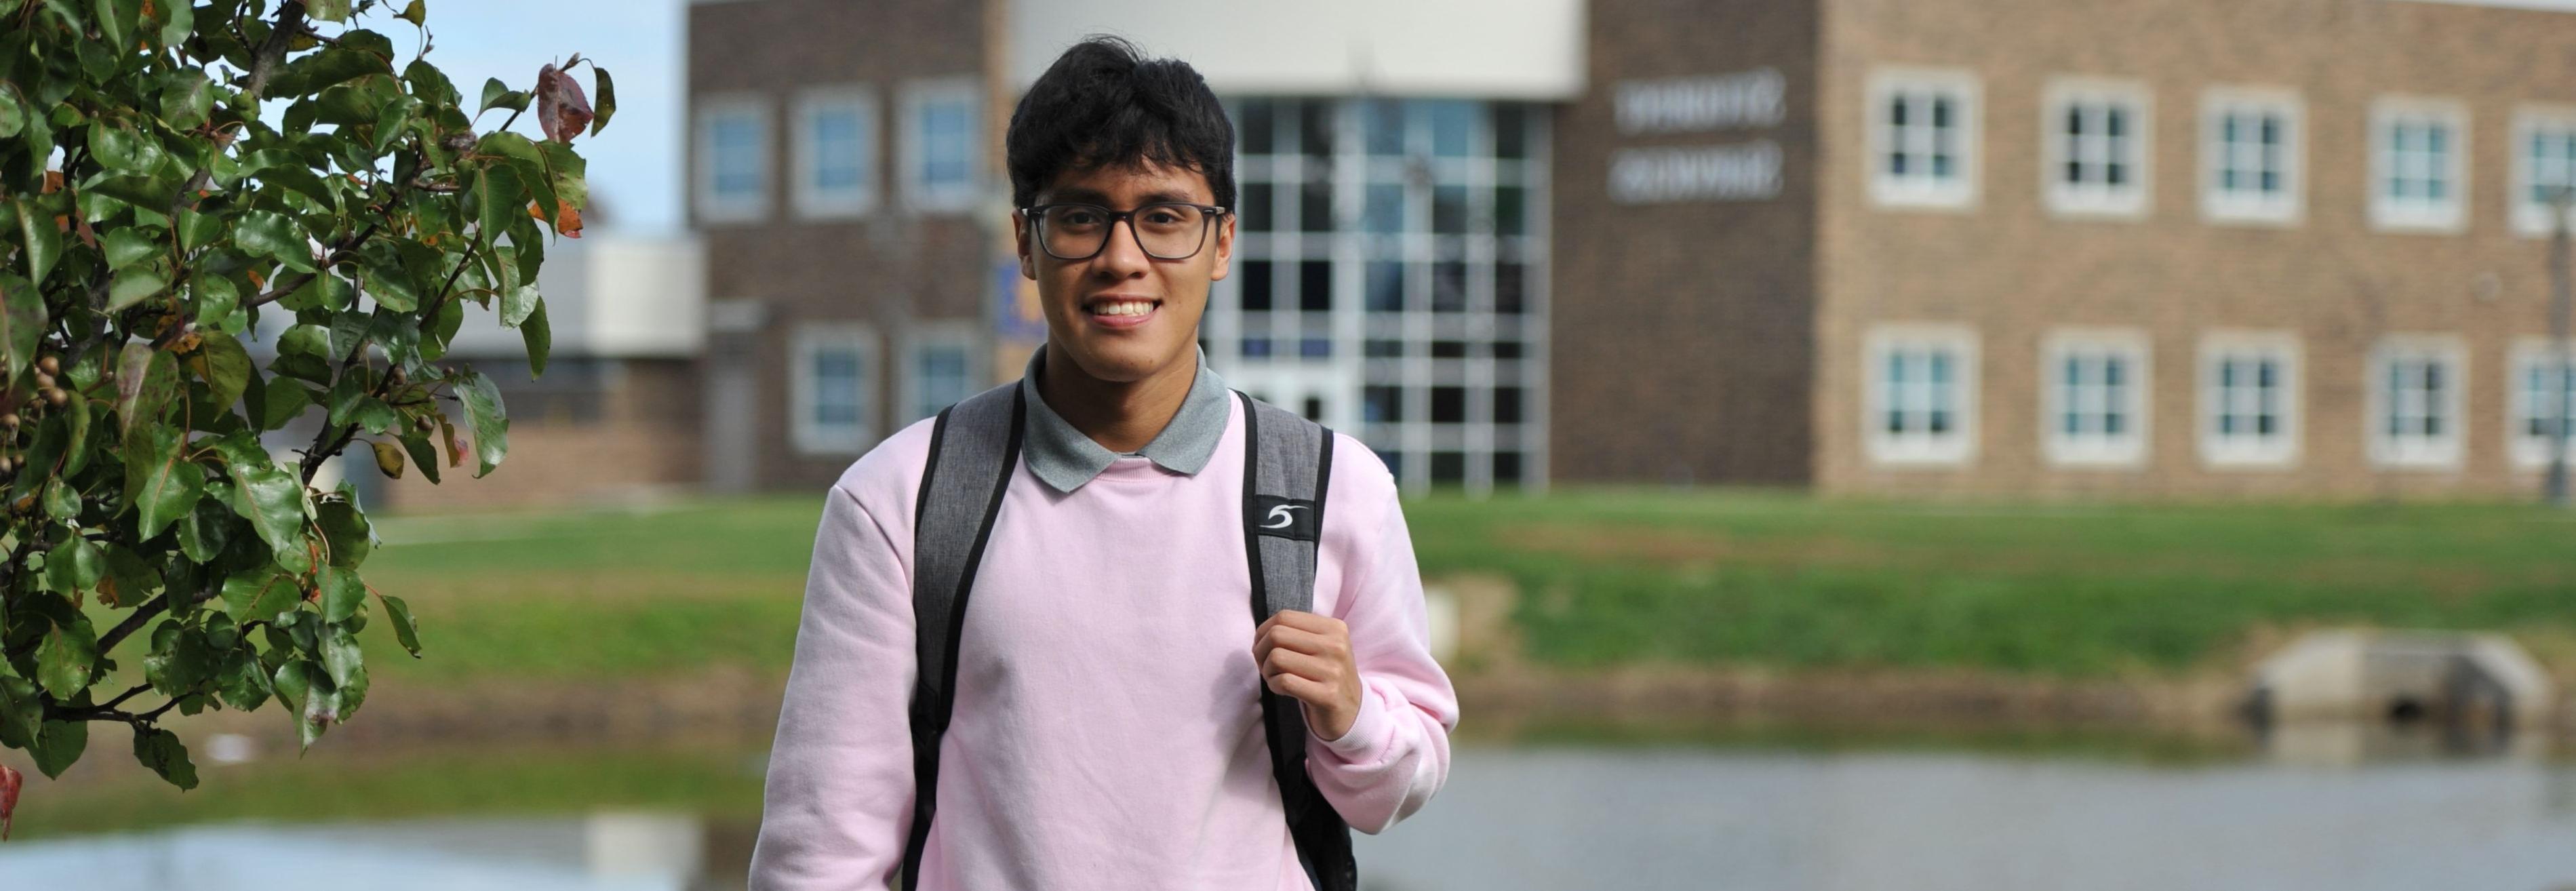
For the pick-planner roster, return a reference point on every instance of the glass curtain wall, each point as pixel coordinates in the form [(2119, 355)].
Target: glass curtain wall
[(1390, 279)]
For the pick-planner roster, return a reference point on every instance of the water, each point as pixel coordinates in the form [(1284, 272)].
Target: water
[(2335, 815)]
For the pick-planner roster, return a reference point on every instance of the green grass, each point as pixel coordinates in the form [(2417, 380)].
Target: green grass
[(1613, 576), (1607, 577)]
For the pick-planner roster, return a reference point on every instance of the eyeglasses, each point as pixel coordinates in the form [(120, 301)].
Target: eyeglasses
[(1166, 230)]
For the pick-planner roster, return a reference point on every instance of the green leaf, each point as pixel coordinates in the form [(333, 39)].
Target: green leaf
[(13, 111), (282, 401), (116, 20), (501, 199), (132, 286), (223, 364), (346, 391), (405, 631), (44, 242), (374, 416), (62, 502), (412, 13), (180, 659), (423, 455), (134, 578), (22, 322), (146, 193), (178, 20), (21, 711), (204, 530), (163, 485), (300, 180), (74, 565), (146, 380), (261, 593), (305, 340), (517, 303), (187, 97), (270, 234), (390, 121), (327, 10), (603, 99), (485, 418), (197, 230), (160, 750), (63, 661), (272, 499), (392, 286), (215, 297), (539, 337), (128, 246), (348, 534), (59, 744), (115, 144), (241, 684), (76, 420)]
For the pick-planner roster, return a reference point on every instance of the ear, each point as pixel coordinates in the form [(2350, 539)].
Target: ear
[(1020, 243), (1224, 248)]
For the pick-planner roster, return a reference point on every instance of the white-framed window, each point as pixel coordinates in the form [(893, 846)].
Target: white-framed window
[(2096, 144), (835, 167), (832, 388), (2252, 152), (2249, 398), (2544, 161), (2540, 400), (942, 144), (2419, 171), (2418, 401), (1923, 132), (2094, 397), (938, 369), (1920, 394), (732, 176)]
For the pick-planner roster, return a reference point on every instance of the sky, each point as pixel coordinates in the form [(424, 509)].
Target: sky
[(634, 165)]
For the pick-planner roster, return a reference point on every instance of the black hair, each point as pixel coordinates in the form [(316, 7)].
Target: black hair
[(1103, 104)]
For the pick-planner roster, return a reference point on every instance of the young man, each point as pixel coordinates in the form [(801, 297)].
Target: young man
[(1107, 729)]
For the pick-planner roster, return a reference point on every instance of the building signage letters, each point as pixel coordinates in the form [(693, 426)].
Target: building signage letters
[(1741, 171)]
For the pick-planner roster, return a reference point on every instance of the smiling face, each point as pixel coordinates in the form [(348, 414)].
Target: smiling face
[(1122, 315)]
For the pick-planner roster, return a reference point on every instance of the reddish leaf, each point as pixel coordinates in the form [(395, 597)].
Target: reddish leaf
[(562, 110), (567, 220), (9, 780)]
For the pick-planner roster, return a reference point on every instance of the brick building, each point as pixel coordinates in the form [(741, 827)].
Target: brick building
[(2025, 247)]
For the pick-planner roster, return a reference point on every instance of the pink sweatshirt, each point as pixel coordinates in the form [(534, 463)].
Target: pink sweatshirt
[(1107, 732)]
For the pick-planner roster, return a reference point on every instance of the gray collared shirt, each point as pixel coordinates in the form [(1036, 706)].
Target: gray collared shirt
[(1064, 458)]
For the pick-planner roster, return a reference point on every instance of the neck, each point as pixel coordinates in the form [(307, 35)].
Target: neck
[(1122, 416)]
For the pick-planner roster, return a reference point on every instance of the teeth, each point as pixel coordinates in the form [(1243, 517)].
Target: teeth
[(1123, 308)]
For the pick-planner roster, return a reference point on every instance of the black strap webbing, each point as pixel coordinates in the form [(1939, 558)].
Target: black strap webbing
[(1287, 464), (974, 447)]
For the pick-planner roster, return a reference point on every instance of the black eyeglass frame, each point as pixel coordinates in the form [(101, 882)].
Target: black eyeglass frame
[(1037, 226)]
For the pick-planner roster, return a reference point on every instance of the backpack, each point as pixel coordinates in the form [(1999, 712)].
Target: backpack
[(975, 447)]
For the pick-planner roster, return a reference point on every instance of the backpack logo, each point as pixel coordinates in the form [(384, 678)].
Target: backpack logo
[(1292, 518)]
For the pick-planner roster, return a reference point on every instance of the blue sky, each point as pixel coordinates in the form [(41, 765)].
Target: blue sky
[(634, 165)]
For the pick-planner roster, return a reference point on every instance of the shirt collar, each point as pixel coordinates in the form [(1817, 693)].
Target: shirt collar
[(1064, 458)]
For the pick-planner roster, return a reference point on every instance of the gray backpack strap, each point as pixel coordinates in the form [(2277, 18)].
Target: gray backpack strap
[(1287, 469), (974, 447)]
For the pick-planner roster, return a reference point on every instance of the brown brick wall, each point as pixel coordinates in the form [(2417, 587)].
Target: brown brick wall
[(2013, 271), (887, 269), (1681, 333)]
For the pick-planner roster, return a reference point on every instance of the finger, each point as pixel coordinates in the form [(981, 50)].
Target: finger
[(1306, 621), (1314, 668), (1303, 641), (1302, 689)]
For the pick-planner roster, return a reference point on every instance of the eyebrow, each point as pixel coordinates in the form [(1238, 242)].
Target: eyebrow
[(1093, 196)]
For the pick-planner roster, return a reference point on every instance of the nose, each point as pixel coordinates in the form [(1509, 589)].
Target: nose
[(1121, 257)]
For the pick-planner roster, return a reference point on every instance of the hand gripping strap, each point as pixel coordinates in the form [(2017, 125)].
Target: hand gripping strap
[(1287, 466), (974, 447)]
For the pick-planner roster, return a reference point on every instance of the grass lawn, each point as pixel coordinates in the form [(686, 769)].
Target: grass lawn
[(1607, 576)]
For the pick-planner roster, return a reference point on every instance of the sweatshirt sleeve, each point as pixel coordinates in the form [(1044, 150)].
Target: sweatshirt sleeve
[(1396, 754), (837, 801)]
